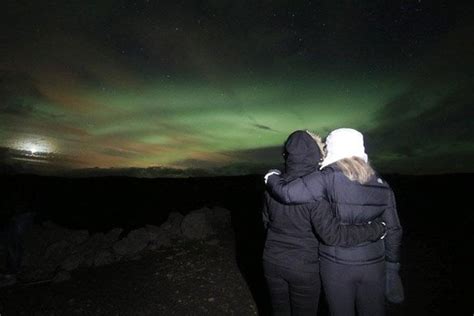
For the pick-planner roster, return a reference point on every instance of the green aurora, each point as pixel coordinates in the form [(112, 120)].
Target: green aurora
[(86, 105)]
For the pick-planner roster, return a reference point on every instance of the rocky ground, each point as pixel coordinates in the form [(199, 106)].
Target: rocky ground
[(200, 264), (190, 278), (187, 266)]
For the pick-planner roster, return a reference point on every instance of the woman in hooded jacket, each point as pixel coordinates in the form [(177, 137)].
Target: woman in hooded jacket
[(356, 277), (290, 258)]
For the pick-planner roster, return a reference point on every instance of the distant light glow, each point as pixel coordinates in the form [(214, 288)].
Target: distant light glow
[(33, 148), (34, 145)]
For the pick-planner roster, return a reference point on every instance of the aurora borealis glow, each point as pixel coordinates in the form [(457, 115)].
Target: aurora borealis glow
[(208, 84)]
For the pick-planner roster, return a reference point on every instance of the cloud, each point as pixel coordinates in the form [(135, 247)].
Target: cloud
[(266, 155), (24, 161), (246, 161), (427, 128), (426, 138), (264, 127), (16, 91)]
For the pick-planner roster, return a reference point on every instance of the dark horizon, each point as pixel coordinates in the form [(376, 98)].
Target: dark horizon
[(158, 172)]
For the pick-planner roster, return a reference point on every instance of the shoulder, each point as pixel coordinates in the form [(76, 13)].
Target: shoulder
[(330, 172), (380, 181), (319, 175), (381, 189)]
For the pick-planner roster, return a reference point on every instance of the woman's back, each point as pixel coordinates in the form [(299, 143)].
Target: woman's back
[(290, 240), (356, 203)]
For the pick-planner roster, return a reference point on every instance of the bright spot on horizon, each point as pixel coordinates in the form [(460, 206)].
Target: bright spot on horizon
[(34, 145), (33, 149)]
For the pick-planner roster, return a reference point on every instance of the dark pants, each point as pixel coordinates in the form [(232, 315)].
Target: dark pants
[(354, 287), (292, 292)]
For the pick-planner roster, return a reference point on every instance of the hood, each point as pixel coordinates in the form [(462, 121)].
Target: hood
[(302, 154)]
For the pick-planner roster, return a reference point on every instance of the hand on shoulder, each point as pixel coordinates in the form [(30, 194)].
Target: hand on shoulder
[(270, 173)]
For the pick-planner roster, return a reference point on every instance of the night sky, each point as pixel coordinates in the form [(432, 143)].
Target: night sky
[(218, 85)]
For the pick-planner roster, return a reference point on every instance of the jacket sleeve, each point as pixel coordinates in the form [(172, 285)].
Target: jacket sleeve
[(309, 188), (394, 231), (333, 233)]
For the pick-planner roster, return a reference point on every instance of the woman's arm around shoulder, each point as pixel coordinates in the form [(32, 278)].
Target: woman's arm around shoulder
[(329, 228), (309, 188)]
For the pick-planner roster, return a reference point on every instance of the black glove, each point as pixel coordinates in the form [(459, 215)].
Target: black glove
[(393, 284)]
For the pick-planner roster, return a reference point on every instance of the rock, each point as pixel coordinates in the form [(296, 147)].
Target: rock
[(37, 274), (91, 247), (153, 231), (162, 239), (213, 242), (97, 241), (135, 242), (152, 246), (72, 262), (78, 236), (53, 232), (196, 225), (88, 261), (137, 257), (206, 222), (112, 236), (142, 234), (56, 250), (61, 276), (104, 257), (173, 224), (221, 219), (50, 246)]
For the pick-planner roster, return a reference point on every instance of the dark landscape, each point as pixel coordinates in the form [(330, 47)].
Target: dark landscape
[(208, 274)]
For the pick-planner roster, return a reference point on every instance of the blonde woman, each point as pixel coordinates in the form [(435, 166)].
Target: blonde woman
[(358, 277)]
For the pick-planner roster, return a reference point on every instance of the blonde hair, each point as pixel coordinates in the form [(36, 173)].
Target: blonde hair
[(319, 142), (356, 169)]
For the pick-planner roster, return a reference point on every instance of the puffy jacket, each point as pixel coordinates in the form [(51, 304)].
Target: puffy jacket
[(352, 203), (292, 229)]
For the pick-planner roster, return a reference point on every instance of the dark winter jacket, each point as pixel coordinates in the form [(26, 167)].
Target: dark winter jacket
[(352, 203), (292, 229)]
